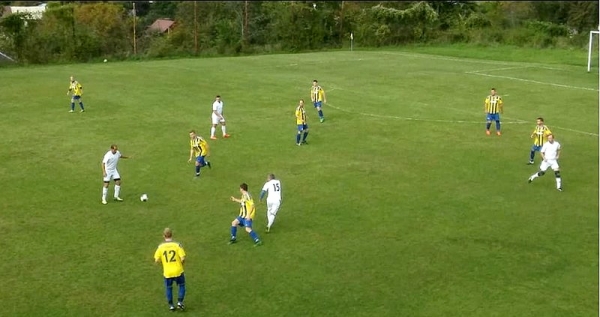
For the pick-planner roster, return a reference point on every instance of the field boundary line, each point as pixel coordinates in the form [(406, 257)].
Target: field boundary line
[(531, 81), (497, 69)]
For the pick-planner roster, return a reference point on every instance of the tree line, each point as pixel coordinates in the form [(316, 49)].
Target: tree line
[(71, 31)]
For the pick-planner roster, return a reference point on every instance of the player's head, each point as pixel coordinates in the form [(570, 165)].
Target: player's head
[(301, 103), (270, 177), (72, 79), (493, 91), (243, 187), (192, 134), (540, 121), (114, 148), (551, 138), (218, 98), (315, 83), (168, 233)]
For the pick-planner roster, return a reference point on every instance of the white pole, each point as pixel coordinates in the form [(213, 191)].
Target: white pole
[(590, 51), (351, 41)]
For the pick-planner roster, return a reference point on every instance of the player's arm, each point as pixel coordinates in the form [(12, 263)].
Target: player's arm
[(558, 153), (324, 96), (191, 153), (157, 256), (485, 105), (533, 134), (239, 201), (181, 253), (501, 105), (543, 153), (103, 169), (312, 95), (263, 191)]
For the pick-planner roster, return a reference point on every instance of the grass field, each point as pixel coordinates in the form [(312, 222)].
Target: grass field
[(399, 206)]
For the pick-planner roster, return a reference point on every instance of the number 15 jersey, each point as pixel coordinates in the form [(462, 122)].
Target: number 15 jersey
[(273, 189), (170, 253)]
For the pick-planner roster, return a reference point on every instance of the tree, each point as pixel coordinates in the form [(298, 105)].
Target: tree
[(583, 16)]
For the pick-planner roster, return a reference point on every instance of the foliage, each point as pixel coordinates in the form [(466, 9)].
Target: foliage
[(88, 31)]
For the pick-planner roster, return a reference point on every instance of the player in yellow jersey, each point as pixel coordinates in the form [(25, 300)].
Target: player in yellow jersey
[(317, 96), (540, 136), (246, 216), (301, 123), (493, 107), (199, 149), (75, 90), (172, 256)]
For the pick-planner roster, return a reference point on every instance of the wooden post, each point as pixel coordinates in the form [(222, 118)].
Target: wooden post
[(196, 27)]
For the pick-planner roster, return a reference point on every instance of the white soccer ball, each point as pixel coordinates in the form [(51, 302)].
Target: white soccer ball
[(144, 197), (105, 60)]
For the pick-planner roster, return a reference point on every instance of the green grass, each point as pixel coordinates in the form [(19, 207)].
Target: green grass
[(387, 211)]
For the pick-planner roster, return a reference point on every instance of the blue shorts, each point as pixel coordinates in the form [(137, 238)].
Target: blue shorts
[(200, 159), (244, 222), (536, 148), (493, 117), (317, 104), (180, 280), (302, 127), (76, 97)]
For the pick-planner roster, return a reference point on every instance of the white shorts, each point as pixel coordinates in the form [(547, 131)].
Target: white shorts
[(111, 175), (549, 163), (216, 119), (273, 207)]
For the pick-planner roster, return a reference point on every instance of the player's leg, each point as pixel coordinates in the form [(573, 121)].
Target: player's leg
[(180, 280), (320, 111), (117, 179), (224, 128), (234, 224), (252, 233), (213, 129), (72, 104), (497, 119), (81, 104), (534, 148), (273, 208), (543, 167), (169, 292), (206, 161), (105, 181), (198, 165), (305, 134), (488, 123), (299, 134), (556, 169)]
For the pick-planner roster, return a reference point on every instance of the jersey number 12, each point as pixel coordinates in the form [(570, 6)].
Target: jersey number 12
[(170, 253)]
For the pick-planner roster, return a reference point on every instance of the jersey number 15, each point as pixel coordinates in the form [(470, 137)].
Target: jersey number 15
[(276, 187)]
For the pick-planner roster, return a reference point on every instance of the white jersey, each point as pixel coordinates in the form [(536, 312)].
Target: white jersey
[(550, 150), (273, 189), (218, 107), (110, 160)]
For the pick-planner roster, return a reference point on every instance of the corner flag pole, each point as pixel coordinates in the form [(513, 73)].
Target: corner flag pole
[(351, 41)]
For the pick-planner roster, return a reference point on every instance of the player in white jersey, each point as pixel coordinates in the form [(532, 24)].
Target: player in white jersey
[(550, 152), (109, 171), (217, 118), (273, 190)]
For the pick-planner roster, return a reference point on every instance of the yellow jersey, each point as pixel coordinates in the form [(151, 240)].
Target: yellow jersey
[(171, 254), (540, 135), (75, 88), (316, 93), (199, 146), (300, 115), (493, 104), (247, 207)]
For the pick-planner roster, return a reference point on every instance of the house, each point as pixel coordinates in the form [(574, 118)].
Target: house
[(162, 26), (36, 12)]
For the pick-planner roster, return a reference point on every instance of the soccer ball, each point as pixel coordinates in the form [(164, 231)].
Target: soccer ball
[(144, 197), (105, 60)]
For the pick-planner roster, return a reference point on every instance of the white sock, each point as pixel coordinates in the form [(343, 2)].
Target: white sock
[(270, 220), (104, 192), (212, 132), (534, 176), (558, 182), (117, 190), (223, 129)]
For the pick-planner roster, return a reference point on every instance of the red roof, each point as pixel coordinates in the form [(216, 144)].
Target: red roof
[(161, 25)]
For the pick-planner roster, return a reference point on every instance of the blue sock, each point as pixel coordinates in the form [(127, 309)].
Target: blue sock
[(73, 106), (305, 135), (488, 125), (233, 232), (81, 105), (320, 113), (497, 125), (181, 294), (298, 138), (531, 155), (170, 295), (254, 236), (197, 169)]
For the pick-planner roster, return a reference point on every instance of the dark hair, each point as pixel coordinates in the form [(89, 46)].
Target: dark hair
[(541, 119), (315, 81), (113, 146), (272, 176), (218, 96), (493, 88), (244, 186), (192, 131)]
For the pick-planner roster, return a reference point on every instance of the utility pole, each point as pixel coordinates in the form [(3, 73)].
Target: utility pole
[(196, 27), (134, 36)]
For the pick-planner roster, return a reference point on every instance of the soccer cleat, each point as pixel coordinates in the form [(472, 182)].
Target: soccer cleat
[(257, 243), (268, 230), (304, 142), (560, 189), (118, 199), (181, 306), (226, 136), (213, 137), (232, 241), (529, 180), (487, 132), (321, 120), (208, 164), (104, 202), (71, 111), (498, 133), (530, 163), (82, 110), (197, 174), (172, 308), (298, 144)]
